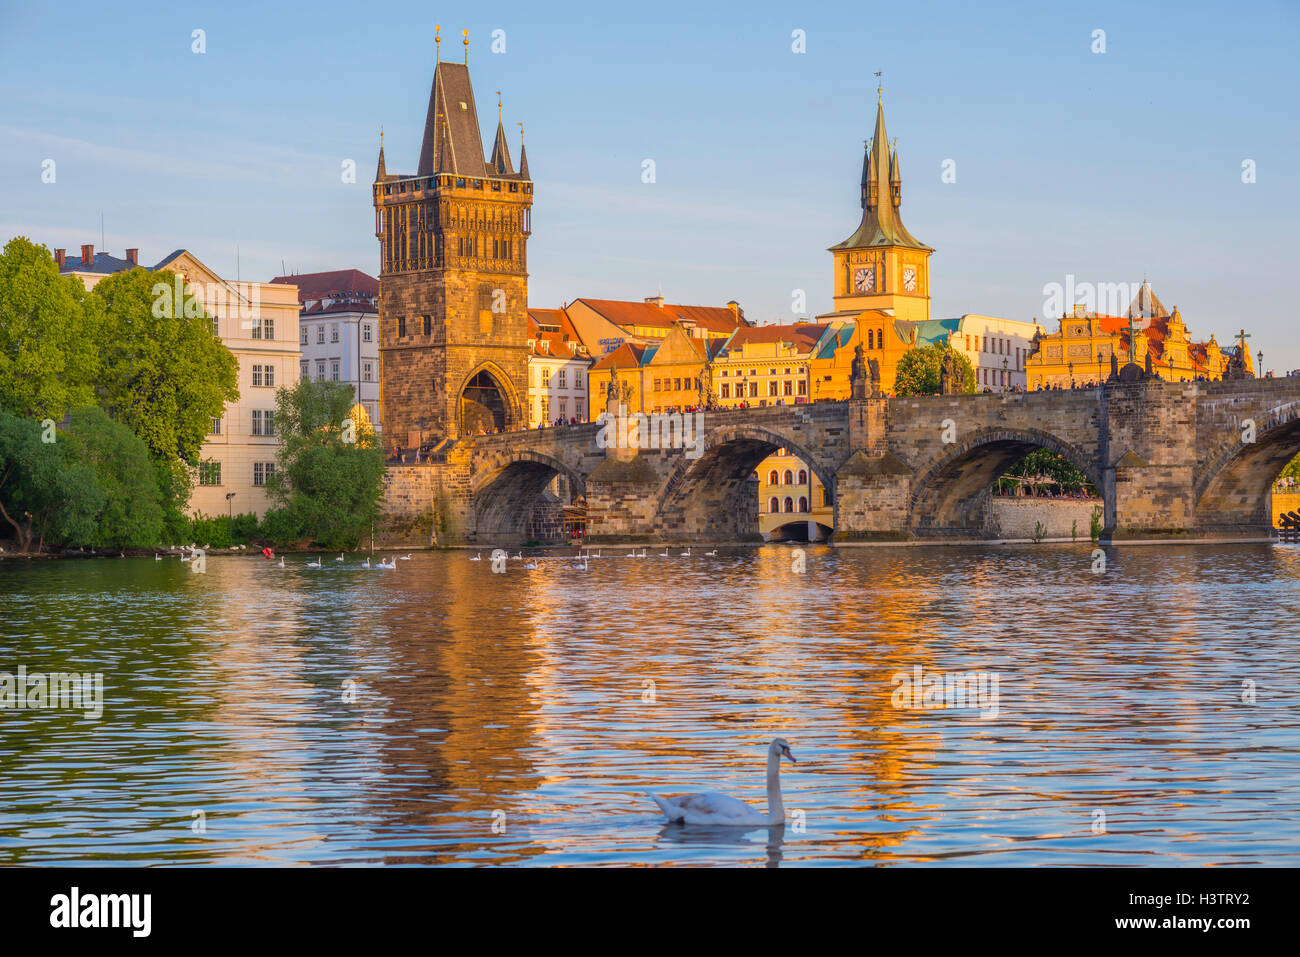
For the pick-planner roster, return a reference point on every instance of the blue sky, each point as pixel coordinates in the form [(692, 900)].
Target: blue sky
[(1105, 166)]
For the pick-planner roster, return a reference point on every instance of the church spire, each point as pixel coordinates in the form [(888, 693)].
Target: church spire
[(881, 195), (500, 161), (523, 154), (382, 170)]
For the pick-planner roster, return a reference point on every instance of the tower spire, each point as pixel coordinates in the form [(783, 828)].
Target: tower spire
[(523, 154), (437, 44), (500, 161), (465, 33), (382, 170)]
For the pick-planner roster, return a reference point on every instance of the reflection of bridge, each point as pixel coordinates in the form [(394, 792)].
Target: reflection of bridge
[(1170, 460)]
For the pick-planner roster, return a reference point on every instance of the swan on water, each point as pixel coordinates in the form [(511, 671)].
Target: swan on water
[(685, 554), (315, 564), (711, 554), (405, 558), (664, 553), (517, 558), (281, 561), (476, 558), (719, 809), (366, 563), (340, 558), (530, 565), (156, 556)]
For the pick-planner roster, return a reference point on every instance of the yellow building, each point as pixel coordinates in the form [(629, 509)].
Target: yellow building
[(1079, 352)]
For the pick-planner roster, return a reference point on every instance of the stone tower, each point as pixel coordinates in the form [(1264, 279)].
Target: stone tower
[(453, 280), (882, 265)]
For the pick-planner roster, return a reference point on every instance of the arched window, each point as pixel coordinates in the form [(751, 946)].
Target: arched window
[(871, 339), (773, 505), (803, 503), (789, 504), (773, 478), (789, 479), (803, 476)]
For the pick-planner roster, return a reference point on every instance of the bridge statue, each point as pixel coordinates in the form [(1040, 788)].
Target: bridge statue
[(858, 384), (873, 367), (1237, 368), (949, 374), (611, 401)]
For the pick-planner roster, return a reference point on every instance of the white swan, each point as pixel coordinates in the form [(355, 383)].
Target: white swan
[(157, 557), (390, 564), (517, 558), (712, 554), (340, 558), (664, 553), (685, 554), (281, 561), (719, 809), (476, 558), (315, 564), (405, 558), (366, 563), (530, 564)]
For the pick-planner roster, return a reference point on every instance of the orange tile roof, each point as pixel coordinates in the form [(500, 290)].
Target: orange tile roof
[(804, 336), (626, 356), (625, 314)]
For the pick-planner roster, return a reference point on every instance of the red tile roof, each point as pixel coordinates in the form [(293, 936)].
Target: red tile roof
[(318, 285), (626, 356), (803, 336)]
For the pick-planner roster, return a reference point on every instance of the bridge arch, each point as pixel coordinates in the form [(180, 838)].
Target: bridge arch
[(710, 498), (950, 494), (1231, 490), (504, 488)]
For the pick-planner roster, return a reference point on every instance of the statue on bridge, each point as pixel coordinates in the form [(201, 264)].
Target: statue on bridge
[(949, 374), (1237, 368), (864, 375)]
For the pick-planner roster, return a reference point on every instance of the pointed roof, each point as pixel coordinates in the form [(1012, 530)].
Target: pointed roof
[(1146, 305), (454, 143), (523, 158), (500, 161), (881, 224), (382, 170)]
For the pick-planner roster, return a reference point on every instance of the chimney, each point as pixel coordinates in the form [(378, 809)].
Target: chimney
[(655, 300), (133, 257), (60, 257), (735, 308), (87, 255)]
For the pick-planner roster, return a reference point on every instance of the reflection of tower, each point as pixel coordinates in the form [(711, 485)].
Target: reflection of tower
[(453, 282)]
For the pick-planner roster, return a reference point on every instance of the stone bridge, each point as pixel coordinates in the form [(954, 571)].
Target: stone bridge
[(1171, 460)]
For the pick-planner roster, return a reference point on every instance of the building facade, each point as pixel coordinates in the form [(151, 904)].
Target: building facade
[(1079, 352), (453, 304), (338, 332), (558, 364)]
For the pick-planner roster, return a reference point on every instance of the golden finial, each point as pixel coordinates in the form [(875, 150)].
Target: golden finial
[(521, 132), (880, 87), (498, 106), (465, 33), (437, 43)]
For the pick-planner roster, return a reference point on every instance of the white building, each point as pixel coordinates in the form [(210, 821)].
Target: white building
[(338, 331), (257, 322), (557, 370), (996, 347)]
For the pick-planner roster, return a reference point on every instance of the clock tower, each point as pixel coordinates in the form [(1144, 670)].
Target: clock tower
[(882, 266)]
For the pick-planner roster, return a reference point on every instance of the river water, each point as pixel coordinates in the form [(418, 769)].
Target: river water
[(443, 713)]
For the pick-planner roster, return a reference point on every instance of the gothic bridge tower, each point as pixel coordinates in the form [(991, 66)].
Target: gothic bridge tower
[(453, 280)]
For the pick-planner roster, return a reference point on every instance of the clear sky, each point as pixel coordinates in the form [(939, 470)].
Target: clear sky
[(1106, 166)]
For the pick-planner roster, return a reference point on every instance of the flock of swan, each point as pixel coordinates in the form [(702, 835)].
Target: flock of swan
[(584, 557)]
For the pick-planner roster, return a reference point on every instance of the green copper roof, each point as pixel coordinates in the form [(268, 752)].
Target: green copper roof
[(881, 223)]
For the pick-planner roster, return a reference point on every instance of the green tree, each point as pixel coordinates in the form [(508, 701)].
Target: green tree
[(44, 495), (1050, 466), (329, 480), (918, 370), (132, 514), (1292, 469), (165, 376), (49, 329)]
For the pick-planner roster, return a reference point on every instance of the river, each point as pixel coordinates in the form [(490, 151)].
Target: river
[(445, 713)]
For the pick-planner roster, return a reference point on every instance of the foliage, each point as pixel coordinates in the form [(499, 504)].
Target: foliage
[(166, 377), (222, 531), (49, 330), (1292, 469), (131, 515), (329, 476), (1054, 467), (44, 497), (1096, 524), (918, 370)]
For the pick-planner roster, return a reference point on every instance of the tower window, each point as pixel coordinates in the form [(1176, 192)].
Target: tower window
[(401, 325)]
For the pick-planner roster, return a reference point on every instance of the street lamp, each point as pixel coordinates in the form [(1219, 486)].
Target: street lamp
[(1100, 355), (1259, 369), (1071, 367), (230, 518), (1004, 374)]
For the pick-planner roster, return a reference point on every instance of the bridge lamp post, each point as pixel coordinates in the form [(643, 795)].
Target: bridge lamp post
[(1070, 365), (1100, 354), (1260, 367), (1004, 374)]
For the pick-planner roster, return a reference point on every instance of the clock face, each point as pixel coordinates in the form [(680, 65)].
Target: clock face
[(864, 280), (909, 278)]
